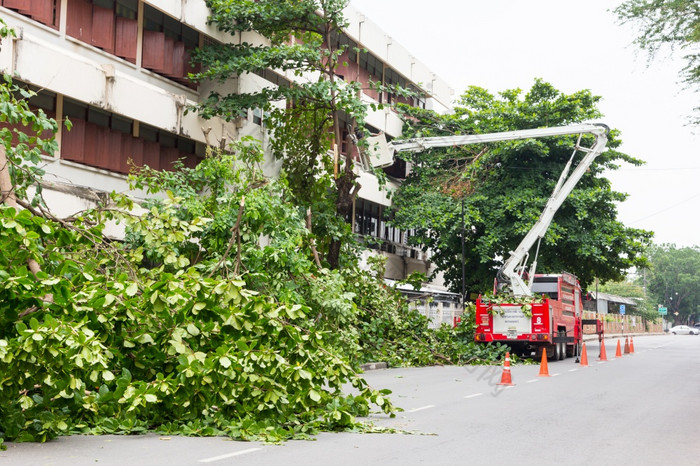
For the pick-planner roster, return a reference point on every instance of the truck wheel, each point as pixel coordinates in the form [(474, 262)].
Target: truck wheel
[(553, 352), (562, 348), (548, 350)]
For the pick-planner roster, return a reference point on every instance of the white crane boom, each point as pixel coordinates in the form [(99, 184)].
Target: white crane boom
[(512, 270)]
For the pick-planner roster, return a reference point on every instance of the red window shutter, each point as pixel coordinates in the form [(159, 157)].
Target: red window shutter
[(79, 20), (179, 60), (114, 154), (42, 11), (24, 6), (136, 154), (127, 30), (151, 154), (73, 141), (103, 28), (153, 48), (168, 57), (191, 160), (102, 149), (126, 150), (90, 154), (168, 156)]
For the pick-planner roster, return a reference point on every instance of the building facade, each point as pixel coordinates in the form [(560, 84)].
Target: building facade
[(118, 70)]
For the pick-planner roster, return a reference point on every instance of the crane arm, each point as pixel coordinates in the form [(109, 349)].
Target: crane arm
[(510, 273)]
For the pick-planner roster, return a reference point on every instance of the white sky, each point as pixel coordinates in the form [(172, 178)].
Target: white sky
[(574, 45)]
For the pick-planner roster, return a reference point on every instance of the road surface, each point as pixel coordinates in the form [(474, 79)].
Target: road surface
[(638, 409)]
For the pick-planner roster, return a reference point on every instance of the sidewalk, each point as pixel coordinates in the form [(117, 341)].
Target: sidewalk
[(594, 336)]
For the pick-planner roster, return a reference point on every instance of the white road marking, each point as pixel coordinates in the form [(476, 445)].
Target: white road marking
[(554, 375), (229, 455), (420, 409), (533, 381), (573, 370), (474, 395)]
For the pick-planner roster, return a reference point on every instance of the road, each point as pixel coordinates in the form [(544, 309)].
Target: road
[(638, 409)]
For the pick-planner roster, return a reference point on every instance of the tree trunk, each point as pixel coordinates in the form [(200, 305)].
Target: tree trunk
[(347, 192)]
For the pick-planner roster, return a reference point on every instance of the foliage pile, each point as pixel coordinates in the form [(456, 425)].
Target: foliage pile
[(122, 348)]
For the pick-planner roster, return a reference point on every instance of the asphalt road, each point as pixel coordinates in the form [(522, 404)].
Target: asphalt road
[(640, 409)]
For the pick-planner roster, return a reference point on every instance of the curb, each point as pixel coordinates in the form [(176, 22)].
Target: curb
[(370, 366), (618, 335)]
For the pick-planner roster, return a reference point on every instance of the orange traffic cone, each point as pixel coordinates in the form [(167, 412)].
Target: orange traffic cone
[(627, 346), (618, 353), (505, 377), (544, 370), (631, 345), (584, 356), (603, 356)]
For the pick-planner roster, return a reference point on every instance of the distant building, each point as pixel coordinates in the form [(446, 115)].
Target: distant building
[(604, 303)]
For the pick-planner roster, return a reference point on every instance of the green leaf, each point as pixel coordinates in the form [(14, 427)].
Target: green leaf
[(314, 395), (131, 289)]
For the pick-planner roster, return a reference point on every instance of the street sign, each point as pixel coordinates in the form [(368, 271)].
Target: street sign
[(663, 311), (622, 309)]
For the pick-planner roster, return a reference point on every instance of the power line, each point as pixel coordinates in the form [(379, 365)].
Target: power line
[(667, 208)]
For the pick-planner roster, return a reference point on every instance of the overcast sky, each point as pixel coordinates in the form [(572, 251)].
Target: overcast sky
[(574, 45)]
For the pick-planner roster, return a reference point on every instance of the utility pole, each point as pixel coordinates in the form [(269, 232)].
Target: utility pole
[(463, 265)]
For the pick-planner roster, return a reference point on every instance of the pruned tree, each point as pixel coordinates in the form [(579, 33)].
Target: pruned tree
[(505, 186)]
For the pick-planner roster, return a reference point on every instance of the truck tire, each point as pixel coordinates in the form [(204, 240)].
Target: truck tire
[(562, 346), (548, 350), (553, 352)]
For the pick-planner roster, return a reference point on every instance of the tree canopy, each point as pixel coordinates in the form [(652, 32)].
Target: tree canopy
[(673, 24), (505, 186)]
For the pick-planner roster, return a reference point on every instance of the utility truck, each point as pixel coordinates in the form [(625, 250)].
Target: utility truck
[(529, 311)]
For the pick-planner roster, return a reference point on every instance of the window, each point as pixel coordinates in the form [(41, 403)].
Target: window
[(257, 116), (43, 11), (167, 45), (105, 140), (372, 223), (110, 25)]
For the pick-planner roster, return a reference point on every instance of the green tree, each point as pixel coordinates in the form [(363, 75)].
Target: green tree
[(505, 186), (674, 281), (673, 24), (310, 115)]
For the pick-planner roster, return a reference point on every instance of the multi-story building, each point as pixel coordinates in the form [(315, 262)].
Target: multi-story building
[(118, 69)]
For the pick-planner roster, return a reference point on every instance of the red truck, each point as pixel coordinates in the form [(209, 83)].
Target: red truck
[(549, 321)]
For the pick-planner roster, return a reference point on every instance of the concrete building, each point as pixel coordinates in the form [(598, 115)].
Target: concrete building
[(117, 69)]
